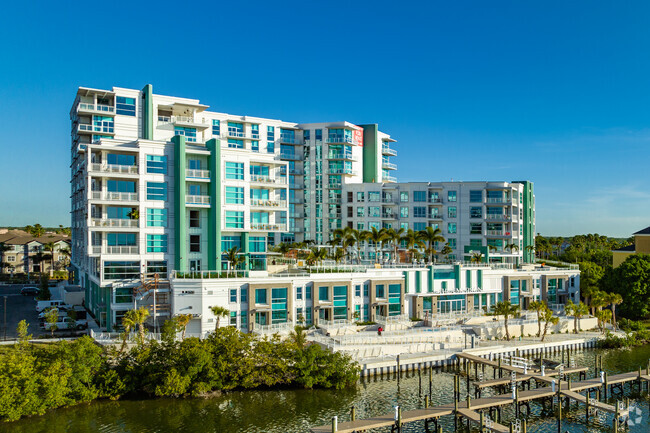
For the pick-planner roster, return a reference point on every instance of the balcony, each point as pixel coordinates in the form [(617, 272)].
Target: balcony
[(291, 156), (197, 174), (296, 171), (498, 200), (335, 185), (92, 108), (114, 196), (197, 200), (338, 139), (346, 171), (114, 223), (387, 178), (268, 203), (261, 178), (86, 128), (235, 133), (498, 233), (296, 185), (288, 139), (269, 227), (386, 150), (435, 216), (188, 121), (388, 216), (341, 155), (497, 217), (388, 165), (114, 168), (121, 249), (434, 200)]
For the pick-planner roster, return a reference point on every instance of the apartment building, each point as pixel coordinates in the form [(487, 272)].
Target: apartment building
[(161, 183), (485, 217), (641, 245), (274, 302), (23, 253)]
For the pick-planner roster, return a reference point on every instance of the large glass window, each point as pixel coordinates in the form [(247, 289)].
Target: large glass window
[(234, 220), (120, 186), (394, 299), (121, 270), (380, 291), (121, 213), (279, 305), (323, 294), (228, 242), (451, 196), (451, 228), (419, 212), (476, 212), (420, 196), (117, 159), (475, 228), (340, 302), (235, 144), (216, 127), (476, 196), (121, 239), (125, 106), (404, 196), (257, 244), (156, 217), (374, 196), (234, 195), (156, 191), (404, 211), (260, 296), (235, 170), (451, 212), (156, 243), (157, 267), (418, 227), (195, 243), (157, 164), (188, 133)]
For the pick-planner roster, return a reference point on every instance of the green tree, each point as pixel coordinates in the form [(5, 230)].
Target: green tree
[(338, 255), (614, 299), (183, 320), (395, 237), (507, 310), (477, 258), (538, 307), (50, 247), (44, 289), (446, 250), (577, 311), (136, 318), (549, 319), (234, 258), (219, 312), (377, 237), (431, 236), (631, 280), (23, 333), (413, 242), (51, 318), (298, 337), (316, 256), (603, 316)]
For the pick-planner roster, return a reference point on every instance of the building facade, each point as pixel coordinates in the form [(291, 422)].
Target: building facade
[(22, 253), (641, 245)]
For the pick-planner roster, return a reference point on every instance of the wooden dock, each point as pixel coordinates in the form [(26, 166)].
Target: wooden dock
[(471, 409)]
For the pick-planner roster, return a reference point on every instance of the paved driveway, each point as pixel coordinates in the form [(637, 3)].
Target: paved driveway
[(19, 307)]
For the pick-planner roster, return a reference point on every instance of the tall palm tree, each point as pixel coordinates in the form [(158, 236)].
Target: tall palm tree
[(512, 247), (394, 237), (614, 299), (338, 255), (378, 237), (133, 318), (298, 337), (431, 236), (234, 258), (183, 320), (538, 307), (219, 312), (505, 309), (548, 318), (577, 311), (446, 250), (50, 247), (413, 241), (476, 258), (353, 240)]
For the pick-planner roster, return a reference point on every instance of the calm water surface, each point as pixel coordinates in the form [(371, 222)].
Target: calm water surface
[(298, 410)]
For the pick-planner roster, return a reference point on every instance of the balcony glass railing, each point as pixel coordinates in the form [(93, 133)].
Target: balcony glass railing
[(267, 226), (121, 249), (497, 217), (236, 133), (289, 139), (197, 199), (93, 107), (388, 165), (113, 222), (388, 151), (268, 203), (389, 178), (339, 139), (114, 196), (262, 178), (198, 174), (114, 168), (498, 200), (342, 171)]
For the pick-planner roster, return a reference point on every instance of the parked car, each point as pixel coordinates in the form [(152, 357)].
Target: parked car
[(80, 312), (66, 323), (29, 291), (56, 303)]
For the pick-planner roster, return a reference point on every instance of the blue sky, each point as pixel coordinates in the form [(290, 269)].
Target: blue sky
[(553, 92)]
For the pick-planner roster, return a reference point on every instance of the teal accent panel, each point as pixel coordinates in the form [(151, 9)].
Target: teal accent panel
[(406, 281), (418, 282), (214, 215), (246, 249), (180, 212), (147, 112), (479, 278), (457, 275), (370, 153), (431, 275)]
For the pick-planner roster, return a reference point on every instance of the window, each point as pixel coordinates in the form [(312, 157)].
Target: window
[(121, 270), (323, 294), (156, 164), (11, 258), (257, 244), (233, 318), (476, 242), (195, 219), (195, 265), (216, 127), (357, 290), (476, 212), (234, 195), (270, 147), (307, 292), (233, 296), (420, 196), (156, 243), (475, 228), (228, 242), (235, 144), (318, 134), (234, 220), (373, 211), (235, 170), (156, 217), (255, 146), (451, 196), (418, 227), (451, 212), (452, 243), (157, 267), (298, 292), (404, 196), (120, 186), (374, 196), (157, 191), (476, 196), (360, 226), (117, 159), (125, 106), (360, 197), (194, 164), (404, 212), (380, 291), (260, 296), (195, 243), (188, 133), (361, 211), (404, 226), (366, 289), (451, 228), (243, 295), (121, 239), (419, 212)]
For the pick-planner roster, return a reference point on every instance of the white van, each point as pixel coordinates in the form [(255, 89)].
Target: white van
[(56, 303)]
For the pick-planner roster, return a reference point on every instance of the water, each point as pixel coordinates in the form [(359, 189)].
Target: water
[(298, 410)]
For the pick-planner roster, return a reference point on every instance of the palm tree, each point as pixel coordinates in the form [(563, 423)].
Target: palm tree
[(133, 318), (577, 311), (298, 337), (378, 237), (50, 246), (413, 241), (283, 248), (431, 236), (598, 301), (316, 256), (477, 258), (394, 237), (603, 317), (446, 250), (219, 312), (614, 299), (538, 307), (36, 230), (354, 239), (512, 247), (234, 258), (548, 317), (506, 309), (183, 320), (338, 255)]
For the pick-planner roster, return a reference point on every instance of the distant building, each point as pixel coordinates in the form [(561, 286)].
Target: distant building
[(21, 252), (641, 245)]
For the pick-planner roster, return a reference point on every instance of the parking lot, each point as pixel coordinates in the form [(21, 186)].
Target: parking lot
[(19, 307)]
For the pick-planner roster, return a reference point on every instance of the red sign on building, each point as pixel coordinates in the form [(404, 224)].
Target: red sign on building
[(358, 137)]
